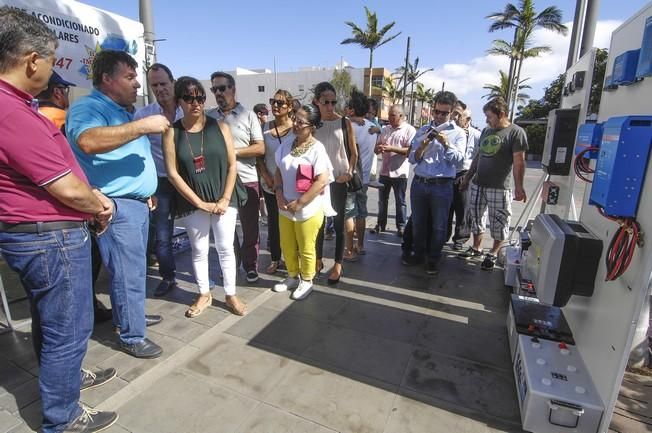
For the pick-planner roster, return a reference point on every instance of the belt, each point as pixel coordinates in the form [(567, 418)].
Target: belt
[(39, 227), (433, 180)]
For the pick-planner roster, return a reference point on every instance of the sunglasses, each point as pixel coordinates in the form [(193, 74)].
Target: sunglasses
[(221, 88), (325, 102), (300, 122), (442, 113), (189, 99), (277, 102)]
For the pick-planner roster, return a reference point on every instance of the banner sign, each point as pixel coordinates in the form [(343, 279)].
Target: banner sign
[(83, 31)]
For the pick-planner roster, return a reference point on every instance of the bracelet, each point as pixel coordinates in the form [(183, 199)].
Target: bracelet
[(224, 198)]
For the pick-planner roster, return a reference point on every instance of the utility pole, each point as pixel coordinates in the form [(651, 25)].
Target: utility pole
[(405, 72), (146, 18)]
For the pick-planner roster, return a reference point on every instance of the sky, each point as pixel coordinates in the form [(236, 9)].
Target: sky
[(451, 37)]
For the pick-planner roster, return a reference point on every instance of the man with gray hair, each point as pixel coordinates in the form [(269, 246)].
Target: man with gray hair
[(45, 201), (394, 144), (462, 117)]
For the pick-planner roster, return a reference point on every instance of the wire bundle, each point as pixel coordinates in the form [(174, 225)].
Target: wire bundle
[(582, 167), (621, 248)]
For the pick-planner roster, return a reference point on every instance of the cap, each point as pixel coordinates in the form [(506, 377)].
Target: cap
[(56, 79), (261, 109)]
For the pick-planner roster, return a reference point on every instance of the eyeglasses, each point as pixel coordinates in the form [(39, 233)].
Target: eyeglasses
[(221, 88), (325, 102), (441, 113), (65, 89), (300, 122), (277, 102), (189, 99)]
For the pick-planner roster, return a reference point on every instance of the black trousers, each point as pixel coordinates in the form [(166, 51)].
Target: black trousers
[(338, 201), (457, 210)]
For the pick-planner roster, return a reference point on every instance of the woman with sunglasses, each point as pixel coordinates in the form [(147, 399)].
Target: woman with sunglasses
[(200, 161), (275, 134), (332, 135), (303, 172)]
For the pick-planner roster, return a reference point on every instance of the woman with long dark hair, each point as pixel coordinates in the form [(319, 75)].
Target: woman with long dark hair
[(200, 161), (275, 134), (334, 133)]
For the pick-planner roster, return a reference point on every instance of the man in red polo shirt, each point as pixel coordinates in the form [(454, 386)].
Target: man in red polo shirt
[(45, 201)]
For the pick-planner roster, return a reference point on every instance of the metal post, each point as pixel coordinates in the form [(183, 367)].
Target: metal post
[(590, 20), (146, 18), (576, 33)]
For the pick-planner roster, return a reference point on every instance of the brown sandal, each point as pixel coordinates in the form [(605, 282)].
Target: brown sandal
[(201, 303), (235, 306), (273, 267)]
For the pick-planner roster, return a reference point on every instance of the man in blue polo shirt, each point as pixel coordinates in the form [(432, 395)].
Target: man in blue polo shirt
[(114, 152)]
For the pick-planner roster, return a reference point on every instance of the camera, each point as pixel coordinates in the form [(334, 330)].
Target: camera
[(432, 135)]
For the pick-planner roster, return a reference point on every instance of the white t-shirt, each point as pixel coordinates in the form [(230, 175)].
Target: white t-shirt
[(271, 146), (366, 144), (288, 165)]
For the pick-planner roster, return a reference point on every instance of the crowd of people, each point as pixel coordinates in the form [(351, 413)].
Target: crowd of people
[(95, 179)]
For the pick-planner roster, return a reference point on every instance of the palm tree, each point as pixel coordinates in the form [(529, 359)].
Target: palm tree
[(370, 39), (500, 89), (422, 95), (524, 20), (408, 77), (389, 90)]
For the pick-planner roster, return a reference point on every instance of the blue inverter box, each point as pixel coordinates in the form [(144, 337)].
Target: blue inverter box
[(622, 163), (588, 135), (624, 71), (644, 68)]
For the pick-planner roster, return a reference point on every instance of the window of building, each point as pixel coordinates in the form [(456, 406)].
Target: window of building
[(377, 81), (301, 88), (261, 89)]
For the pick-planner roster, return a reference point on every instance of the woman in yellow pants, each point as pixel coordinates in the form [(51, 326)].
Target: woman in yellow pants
[(304, 170)]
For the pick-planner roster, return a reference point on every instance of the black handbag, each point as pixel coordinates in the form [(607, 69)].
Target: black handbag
[(355, 184)]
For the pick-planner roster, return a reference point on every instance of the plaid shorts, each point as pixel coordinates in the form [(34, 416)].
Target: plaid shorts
[(499, 202)]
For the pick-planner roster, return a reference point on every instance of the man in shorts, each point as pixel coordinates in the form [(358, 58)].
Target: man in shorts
[(501, 150)]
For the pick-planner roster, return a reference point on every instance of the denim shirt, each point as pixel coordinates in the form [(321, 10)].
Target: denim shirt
[(437, 161)]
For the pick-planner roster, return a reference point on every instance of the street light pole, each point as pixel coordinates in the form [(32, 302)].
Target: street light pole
[(146, 18)]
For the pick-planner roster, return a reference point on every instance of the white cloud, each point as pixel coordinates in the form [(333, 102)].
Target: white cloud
[(466, 80)]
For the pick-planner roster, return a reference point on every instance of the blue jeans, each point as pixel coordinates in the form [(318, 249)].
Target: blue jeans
[(163, 218), (434, 200), (399, 185), (123, 249), (55, 270)]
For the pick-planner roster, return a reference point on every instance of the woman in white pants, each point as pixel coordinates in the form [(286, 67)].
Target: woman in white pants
[(200, 161)]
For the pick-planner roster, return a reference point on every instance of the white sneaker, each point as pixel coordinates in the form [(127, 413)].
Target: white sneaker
[(304, 289), (288, 283)]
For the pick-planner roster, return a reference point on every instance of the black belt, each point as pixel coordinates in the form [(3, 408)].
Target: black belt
[(433, 180), (40, 227)]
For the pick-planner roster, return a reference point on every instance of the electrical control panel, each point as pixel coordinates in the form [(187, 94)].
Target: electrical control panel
[(589, 135), (644, 68), (560, 141), (622, 163), (624, 71), (562, 260), (555, 391)]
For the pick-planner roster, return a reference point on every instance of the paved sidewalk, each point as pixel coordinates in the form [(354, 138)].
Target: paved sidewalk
[(388, 350)]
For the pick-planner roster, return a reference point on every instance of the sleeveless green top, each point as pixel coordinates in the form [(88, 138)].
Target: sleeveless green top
[(208, 184)]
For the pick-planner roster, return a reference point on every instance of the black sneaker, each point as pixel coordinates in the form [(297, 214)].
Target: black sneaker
[(92, 379), (432, 269), (488, 263), (91, 421), (458, 245), (411, 260), (164, 287), (470, 253), (252, 276)]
